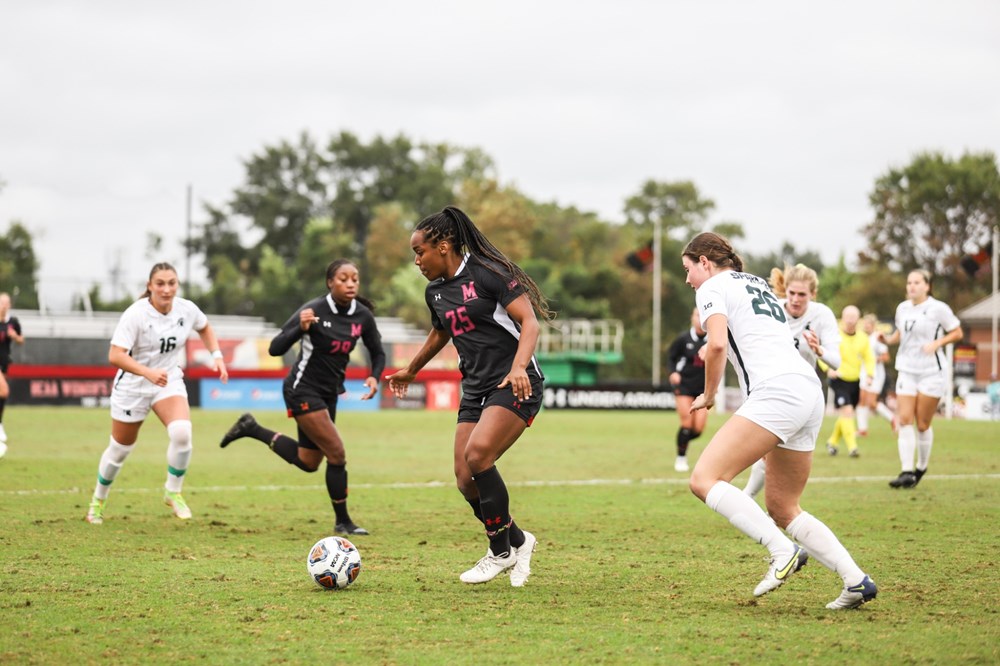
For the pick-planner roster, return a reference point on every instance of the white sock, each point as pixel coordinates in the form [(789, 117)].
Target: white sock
[(925, 440), (111, 463), (756, 481), (907, 446), (178, 453), (822, 544), (746, 515), (884, 411), (861, 414)]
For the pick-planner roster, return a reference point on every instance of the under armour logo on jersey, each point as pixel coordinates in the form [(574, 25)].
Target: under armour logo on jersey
[(327, 324), (469, 292), (437, 297)]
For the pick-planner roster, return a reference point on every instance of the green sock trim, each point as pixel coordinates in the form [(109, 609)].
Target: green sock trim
[(174, 471), (104, 482)]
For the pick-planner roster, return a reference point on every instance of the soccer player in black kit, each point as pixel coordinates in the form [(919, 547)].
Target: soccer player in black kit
[(485, 304), (10, 330), (329, 328), (687, 376)]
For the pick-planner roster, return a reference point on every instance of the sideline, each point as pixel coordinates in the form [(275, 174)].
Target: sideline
[(516, 484)]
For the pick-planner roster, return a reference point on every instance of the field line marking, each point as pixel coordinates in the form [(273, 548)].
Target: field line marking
[(515, 484)]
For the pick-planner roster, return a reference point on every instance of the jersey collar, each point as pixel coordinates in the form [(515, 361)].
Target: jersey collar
[(333, 305), (461, 266)]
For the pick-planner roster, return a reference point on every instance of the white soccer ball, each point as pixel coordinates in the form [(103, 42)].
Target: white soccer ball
[(334, 563)]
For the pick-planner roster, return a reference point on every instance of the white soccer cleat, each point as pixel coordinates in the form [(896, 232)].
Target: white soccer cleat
[(681, 464), (489, 567), (855, 595), (522, 568), (776, 577), (177, 503)]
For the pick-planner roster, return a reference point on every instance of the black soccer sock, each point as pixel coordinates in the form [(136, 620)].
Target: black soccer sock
[(516, 534), (494, 502), (3, 403), (474, 503), (287, 449), (684, 436), (336, 486)]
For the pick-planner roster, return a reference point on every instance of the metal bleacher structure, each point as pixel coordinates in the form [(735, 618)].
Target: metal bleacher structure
[(81, 338), (572, 349)]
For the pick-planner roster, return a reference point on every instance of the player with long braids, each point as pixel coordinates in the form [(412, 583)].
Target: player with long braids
[(780, 418), (329, 328), (485, 304)]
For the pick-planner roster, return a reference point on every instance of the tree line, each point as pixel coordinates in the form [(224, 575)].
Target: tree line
[(303, 202)]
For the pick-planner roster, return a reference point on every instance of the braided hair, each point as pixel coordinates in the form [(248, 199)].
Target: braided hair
[(331, 271), (454, 226)]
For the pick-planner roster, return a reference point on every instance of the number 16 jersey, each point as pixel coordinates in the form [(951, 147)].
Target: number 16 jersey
[(471, 308), (155, 340), (760, 342)]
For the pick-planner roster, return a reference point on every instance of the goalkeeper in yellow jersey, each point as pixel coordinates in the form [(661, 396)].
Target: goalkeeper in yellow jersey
[(845, 381)]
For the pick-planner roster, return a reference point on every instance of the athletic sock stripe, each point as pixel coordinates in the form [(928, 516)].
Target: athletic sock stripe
[(174, 471), (104, 482)]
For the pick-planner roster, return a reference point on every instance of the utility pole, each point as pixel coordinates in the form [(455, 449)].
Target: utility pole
[(187, 248), (657, 305)]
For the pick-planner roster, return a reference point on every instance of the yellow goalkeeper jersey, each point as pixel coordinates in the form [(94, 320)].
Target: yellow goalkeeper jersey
[(855, 350)]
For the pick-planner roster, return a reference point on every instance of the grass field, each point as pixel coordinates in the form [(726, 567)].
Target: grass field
[(630, 567)]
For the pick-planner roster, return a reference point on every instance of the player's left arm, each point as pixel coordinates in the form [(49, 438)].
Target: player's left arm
[(954, 335), (373, 343), (14, 331), (715, 348), (522, 312), (207, 336)]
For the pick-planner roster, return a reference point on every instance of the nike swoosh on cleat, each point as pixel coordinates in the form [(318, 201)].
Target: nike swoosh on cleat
[(858, 588), (787, 569)]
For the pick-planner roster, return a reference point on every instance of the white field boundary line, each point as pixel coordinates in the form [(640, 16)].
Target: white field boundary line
[(516, 484)]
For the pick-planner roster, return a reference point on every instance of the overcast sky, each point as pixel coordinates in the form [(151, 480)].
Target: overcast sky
[(782, 113)]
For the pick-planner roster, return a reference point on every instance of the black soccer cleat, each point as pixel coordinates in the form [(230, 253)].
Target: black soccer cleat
[(918, 474), (349, 529), (904, 480), (240, 429)]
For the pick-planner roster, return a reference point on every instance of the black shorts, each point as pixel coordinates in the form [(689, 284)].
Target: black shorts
[(302, 401), (845, 393), (692, 389), (471, 408)]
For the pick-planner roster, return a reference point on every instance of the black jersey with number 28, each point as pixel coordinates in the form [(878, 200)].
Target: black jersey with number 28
[(326, 346), (470, 307)]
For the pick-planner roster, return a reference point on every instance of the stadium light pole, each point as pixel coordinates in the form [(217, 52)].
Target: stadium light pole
[(995, 300), (187, 248), (657, 270)]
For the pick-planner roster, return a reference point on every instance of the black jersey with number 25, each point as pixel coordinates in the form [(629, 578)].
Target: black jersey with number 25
[(470, 307), (326, 346)]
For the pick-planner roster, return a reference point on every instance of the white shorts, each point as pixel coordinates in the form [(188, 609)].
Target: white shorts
[(134, 407), (878, 383), (791, 407), (931, 384)]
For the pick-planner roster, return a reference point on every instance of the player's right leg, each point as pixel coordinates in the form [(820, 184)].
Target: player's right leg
[(110, 465)]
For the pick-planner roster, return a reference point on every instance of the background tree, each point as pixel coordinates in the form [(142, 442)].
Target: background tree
[(788, 255), (19, 267), (931, 212)]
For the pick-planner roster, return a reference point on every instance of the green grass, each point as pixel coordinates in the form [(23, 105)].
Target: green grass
[(630, 570)]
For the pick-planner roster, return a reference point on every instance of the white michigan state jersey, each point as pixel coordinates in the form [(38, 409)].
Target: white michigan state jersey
[(918, 325), (155, 340), (760, 342), (819, 319)]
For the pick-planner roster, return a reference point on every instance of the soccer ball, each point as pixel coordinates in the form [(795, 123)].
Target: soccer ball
[(334, 563)]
